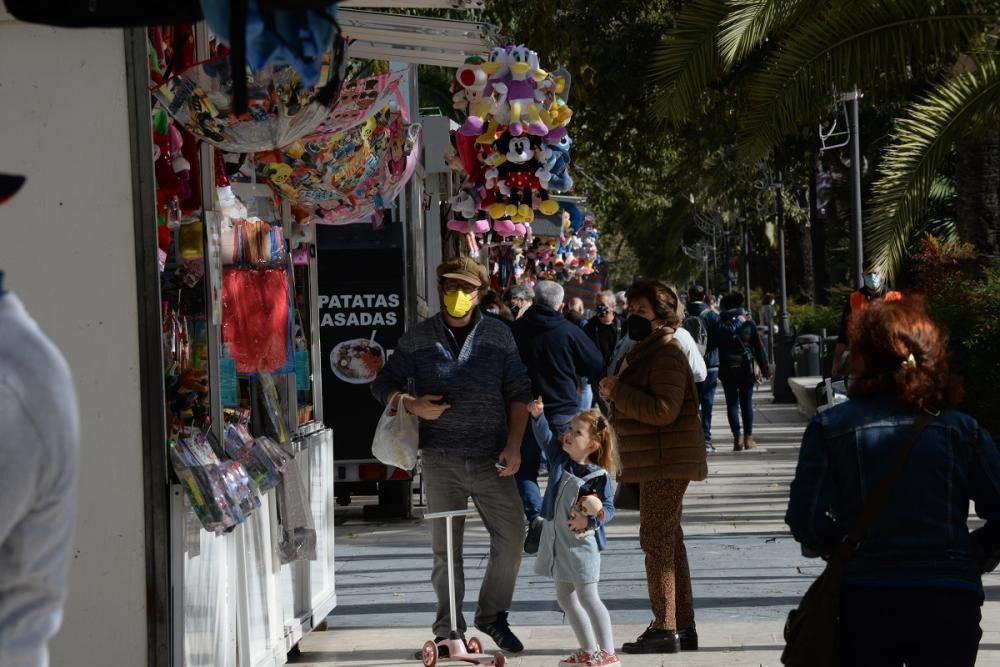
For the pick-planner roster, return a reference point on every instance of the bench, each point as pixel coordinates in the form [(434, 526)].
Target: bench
[(804, 390)]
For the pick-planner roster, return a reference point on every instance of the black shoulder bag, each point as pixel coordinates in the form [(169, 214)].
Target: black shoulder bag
[(811, 630)]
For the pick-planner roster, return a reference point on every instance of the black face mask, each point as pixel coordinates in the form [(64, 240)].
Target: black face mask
[(515, 310), (638, 327), (601, 311)]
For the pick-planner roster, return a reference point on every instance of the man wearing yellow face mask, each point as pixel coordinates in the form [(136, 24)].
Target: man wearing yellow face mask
[(461, 374)]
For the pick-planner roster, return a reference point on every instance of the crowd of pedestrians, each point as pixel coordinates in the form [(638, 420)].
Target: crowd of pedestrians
[(617, 408)]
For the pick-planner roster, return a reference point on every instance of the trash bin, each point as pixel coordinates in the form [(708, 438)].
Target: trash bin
[(806, 356)]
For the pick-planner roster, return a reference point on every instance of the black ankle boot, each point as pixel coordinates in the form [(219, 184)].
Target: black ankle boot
[(654, 641), (688, 638)]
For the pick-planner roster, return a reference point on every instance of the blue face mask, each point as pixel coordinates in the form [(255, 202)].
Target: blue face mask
[(873, 281)]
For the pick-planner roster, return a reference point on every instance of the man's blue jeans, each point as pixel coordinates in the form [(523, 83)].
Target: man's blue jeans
[(527, 475), (706, 398)]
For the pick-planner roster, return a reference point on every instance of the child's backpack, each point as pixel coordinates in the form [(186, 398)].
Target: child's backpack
[(695, 325)]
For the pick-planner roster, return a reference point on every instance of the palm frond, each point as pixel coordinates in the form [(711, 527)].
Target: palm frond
[(750, 22), (923, 140), (871, 44), (686, 61)]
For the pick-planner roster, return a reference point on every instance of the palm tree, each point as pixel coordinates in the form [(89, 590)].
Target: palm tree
[(783, 60)]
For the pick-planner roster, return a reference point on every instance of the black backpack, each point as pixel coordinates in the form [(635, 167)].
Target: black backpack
[(735, 341), (696, 326)]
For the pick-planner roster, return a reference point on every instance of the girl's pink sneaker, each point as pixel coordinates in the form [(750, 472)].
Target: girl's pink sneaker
[(603, 659), (579, 659)]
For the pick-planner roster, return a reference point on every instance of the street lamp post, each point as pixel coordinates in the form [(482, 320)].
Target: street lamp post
[(857, 244), (783, 366), (746, 258)]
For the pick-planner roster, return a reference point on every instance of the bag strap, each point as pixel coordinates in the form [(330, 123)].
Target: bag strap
[(880, 495)]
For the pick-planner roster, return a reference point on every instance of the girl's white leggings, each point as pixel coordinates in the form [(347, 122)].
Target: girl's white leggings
[(587, 615)]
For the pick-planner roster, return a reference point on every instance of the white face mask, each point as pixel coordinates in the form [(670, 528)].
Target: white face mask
[(873, 281)]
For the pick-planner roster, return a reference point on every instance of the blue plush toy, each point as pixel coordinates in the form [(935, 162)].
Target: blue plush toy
[(558, 165)]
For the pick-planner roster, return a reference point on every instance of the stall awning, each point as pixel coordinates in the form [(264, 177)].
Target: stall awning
[(414, 4), (414, 39)]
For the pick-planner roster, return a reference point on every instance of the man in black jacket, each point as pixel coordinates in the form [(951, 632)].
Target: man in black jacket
[(557, 354)]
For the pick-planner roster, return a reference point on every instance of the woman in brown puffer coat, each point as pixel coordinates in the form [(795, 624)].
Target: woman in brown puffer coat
[(662, 448)]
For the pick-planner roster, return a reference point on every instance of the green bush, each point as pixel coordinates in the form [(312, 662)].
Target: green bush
[(965, 300), (809, 319)]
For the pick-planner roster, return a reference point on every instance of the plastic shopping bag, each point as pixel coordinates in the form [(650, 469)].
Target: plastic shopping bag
[(397, 438)]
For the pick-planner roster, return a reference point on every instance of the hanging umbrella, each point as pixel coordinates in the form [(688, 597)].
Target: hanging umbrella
[(346, 176), (326, 167), (280, 107), (377, 193), (348, 147)]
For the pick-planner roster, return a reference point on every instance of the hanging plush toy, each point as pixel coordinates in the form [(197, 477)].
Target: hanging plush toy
[(465, 213), (555, 111), (521, 93), (471, 80), (518, 179), (497, 72), (557, 162)]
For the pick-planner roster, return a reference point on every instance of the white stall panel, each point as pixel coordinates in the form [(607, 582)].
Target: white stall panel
[(67, 248)]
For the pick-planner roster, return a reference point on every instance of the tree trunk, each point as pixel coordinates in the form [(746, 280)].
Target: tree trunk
[(977, 206)]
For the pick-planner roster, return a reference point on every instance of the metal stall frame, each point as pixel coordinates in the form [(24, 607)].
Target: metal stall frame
[(155, 465)]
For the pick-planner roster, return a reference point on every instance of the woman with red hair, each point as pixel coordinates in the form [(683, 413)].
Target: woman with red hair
[(912, 590)]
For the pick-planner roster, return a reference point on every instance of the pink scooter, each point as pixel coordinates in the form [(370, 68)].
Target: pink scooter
[(457, 651)]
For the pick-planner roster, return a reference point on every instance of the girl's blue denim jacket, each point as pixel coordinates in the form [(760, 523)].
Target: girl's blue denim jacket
[(921, 538), (552, 447)]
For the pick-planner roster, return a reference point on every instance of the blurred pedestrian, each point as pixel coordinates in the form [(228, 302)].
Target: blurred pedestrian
[(703, 324), (521, 298), (621, 303), (494, 306), (767, 319), (873, 289), (39, 466), (740, 352)]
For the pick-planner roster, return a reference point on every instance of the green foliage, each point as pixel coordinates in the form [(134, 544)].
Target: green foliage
[(687, 60), (923, 142), (810, 319), (783, 62), (965, 300)]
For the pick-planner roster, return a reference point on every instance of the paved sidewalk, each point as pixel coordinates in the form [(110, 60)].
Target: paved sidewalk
[(746, 570)]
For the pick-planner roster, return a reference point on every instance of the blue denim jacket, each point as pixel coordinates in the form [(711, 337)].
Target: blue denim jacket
[(552, 448), (921, 538)]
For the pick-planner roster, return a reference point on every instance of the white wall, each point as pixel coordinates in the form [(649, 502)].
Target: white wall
[(67, 248)]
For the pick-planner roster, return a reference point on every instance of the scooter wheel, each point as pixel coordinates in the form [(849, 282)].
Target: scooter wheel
[(429, 654), (499, 660), (475, 646)]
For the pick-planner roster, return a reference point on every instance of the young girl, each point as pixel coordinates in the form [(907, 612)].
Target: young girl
[(580, 467)]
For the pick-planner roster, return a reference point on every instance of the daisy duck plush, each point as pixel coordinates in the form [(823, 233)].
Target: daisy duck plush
[(523, 93)]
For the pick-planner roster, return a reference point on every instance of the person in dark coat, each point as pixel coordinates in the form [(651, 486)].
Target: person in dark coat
[(557, 354)]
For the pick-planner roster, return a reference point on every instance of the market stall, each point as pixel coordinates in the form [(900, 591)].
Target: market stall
[(238, 196)]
